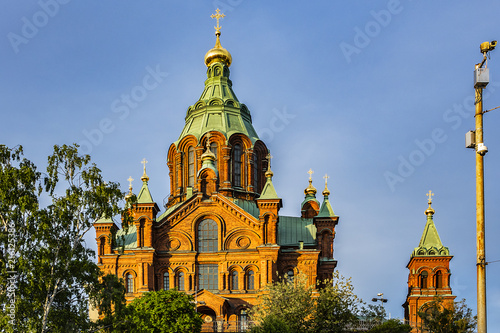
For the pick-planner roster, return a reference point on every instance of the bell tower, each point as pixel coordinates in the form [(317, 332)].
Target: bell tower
[(429, 271)]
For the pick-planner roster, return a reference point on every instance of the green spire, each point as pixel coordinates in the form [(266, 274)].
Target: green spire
[(326, 209), (430, 243), (218, 108), (268, 192), (144, 194)]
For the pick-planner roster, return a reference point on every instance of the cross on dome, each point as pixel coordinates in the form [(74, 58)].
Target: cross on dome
[(430, 195), (310, 172), (217, 16)]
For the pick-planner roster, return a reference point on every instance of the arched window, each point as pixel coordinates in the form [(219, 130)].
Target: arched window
[(191, 166), (289, 276), (213, 149), (166, 281), (234, 280), (180, 281), (255, 172), (102, 243), (423, 280), (243, 320), (207, 236), (438, 280), (130, 283), (140, 233), (237, 165), (250, 280)]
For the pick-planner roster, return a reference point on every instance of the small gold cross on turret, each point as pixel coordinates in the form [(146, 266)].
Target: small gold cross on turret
[(130, 180), (326, 179), (310, 172), (143, 162), (430, 195), (217, 16)]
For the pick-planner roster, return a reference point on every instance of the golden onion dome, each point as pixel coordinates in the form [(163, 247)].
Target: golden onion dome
[(310, 189), (218, 54)]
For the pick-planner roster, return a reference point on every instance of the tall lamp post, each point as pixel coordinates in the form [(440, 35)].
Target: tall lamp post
[(475, 140)]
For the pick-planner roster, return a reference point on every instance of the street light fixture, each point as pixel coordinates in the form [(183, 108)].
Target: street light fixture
[(381, 298), (475, 140)]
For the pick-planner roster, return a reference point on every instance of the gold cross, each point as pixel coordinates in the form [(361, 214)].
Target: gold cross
[(269, 157), (143, 162), (430, 195), (217, 16), (208, 140), (310, 172), (130, 180), (326, 179)]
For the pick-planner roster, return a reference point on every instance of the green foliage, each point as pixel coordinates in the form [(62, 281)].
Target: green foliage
[(337, 305), (291, 303), (109, 298), (331, 308), (456, 318), (43, 249), (271, 324), (391, 326), (373, 312), (165, 311)]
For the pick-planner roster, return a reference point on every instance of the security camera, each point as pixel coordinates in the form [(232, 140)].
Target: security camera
[(482, 149), (488, 46)]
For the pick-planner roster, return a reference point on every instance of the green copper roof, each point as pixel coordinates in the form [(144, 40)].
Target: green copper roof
[(326, 209), (430, 243), (218, 108), (130, 238), (144, 194), (293, 229), (104, 219), (268, 192), (248, 206)]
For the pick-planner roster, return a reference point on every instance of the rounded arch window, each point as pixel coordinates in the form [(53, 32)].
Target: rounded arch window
[(438, 279), (129, 278), (166, 281), (237, 165), (250, 280), (289, 276), (213, 149), (234, 280), (207, 236), (191, 166), (180, 281), (423, 279)]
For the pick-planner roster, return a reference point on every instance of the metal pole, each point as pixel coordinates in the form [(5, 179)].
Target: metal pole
[(481, 260)]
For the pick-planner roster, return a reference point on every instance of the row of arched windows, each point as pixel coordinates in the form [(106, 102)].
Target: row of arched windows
[(437, 280), (207, 277), (249, 280), (237, 172)]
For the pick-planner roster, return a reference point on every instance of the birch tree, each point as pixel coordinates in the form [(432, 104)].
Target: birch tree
[(53, 268)]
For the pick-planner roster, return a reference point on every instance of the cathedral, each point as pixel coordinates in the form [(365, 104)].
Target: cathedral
[(429, 272), (219, 236)]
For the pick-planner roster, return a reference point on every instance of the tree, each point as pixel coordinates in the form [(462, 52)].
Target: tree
[(391, 326), (337, 306), (289, 302), (109, 298), (271, 324), (331, 308), (438, 317), (45, 263), (164, 311)]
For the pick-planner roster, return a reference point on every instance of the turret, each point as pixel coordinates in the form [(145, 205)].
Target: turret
[(310, 206), (269, 205)]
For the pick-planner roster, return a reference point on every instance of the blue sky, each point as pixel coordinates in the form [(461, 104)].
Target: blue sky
[(356, 89)]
